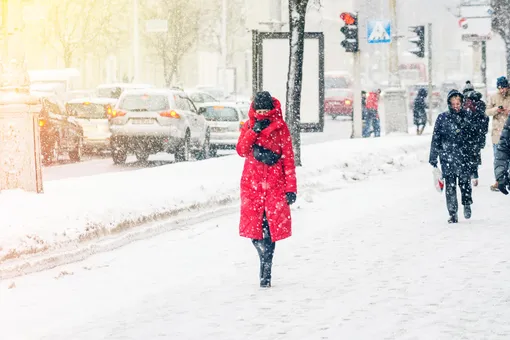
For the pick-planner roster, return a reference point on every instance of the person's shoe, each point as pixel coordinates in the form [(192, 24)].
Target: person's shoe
[(453, 219), (467, 212), (265, 284), (494, 187)]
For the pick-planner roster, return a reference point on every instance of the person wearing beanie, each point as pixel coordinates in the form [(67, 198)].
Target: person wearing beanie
[(498, 108), (454, 143), (268, 182)]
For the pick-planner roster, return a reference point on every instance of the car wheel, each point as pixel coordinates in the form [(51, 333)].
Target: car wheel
[(76, 154), (119, 153), (184, 152), (214, 151), (205, 152)]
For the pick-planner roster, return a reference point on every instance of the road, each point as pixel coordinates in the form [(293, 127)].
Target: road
[(358, 266), (333, 130)]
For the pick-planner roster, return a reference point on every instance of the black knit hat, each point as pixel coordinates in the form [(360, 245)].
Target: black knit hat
[(263, 101)]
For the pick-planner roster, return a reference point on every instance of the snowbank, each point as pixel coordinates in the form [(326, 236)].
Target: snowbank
[(76, 210)]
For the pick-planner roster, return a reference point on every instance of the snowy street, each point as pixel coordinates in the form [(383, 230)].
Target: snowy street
[(333, 130), (372, 260)]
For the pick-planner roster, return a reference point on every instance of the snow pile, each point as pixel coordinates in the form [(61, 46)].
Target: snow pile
[(73, 211)]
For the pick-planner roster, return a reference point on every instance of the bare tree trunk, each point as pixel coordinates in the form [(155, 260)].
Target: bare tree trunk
[(297, 12), (507, 48), (68, 56)]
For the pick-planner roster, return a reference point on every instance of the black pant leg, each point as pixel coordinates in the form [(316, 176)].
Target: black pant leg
[(465, 190), (451, 194), (265, 249)]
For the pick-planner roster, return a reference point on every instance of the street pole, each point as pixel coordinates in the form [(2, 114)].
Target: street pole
[(136, 44), (484, 67), (224, 14), (5, 29), (394, 72), (429, 52), (357, 125)]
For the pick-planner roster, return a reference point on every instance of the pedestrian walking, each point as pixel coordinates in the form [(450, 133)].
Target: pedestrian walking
[(498, 108), (454, 143), (372, 122), (268, 182), (420, 111), (501, 164), (480, 122)]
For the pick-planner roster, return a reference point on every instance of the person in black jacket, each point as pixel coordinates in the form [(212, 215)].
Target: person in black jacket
[(454, 141), (502, 159), (480, 122), (420, 111)]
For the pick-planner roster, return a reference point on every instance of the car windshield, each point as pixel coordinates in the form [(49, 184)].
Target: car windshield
[(144, 102), (109, 92), (337, 93), (88, 110), (221, 114), (196, 97), (335, 82)]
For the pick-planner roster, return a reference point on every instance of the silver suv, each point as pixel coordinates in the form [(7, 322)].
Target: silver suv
[(148, 121)]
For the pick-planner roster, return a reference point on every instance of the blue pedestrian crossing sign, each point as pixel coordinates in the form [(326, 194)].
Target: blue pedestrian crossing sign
[(379, 32)]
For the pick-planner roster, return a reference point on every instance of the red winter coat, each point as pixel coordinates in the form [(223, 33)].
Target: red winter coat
[(263, 187), (372, 101)]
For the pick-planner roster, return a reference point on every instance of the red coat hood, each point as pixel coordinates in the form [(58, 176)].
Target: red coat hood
[(273, 115)]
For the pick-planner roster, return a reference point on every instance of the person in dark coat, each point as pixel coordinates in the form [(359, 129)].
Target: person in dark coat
[(502, 161), (268, 182), (480, 122), (454, 143), (420, 111)]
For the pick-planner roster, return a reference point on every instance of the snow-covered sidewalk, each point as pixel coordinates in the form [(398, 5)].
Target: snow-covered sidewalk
[(75, 211), (374, 260)]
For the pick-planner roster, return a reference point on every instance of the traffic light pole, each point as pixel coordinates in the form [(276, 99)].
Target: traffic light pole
[(429, 52), (357, 125)]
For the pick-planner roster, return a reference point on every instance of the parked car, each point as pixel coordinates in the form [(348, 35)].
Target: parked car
[(92, 114), (199, 97), (158, 120), (116, 89), (338, 102), (337, 80), (225, 121), (60, 132)]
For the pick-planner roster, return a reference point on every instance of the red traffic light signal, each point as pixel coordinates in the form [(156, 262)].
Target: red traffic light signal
[(348, 18)]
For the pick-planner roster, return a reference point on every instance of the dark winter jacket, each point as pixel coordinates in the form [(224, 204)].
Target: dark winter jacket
[(455, 141), (503, 154), (419, 109), (481, 122)]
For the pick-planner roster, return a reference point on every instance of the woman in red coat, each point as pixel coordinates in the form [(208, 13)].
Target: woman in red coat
[(268, 183)]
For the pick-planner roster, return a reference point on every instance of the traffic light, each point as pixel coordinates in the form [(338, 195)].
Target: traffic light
[(419, 40), (350, 30)]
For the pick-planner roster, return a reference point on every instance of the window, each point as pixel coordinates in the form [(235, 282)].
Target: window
[(182, 103), (192, 106), (335, 82), (88, 110), (144, 102), (221, 114), (109, 92), (196, 97), (338, 93), (208, 98)]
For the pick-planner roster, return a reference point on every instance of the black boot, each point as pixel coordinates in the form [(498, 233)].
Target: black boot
[(453, 218), (467, 212), (265, 278)]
